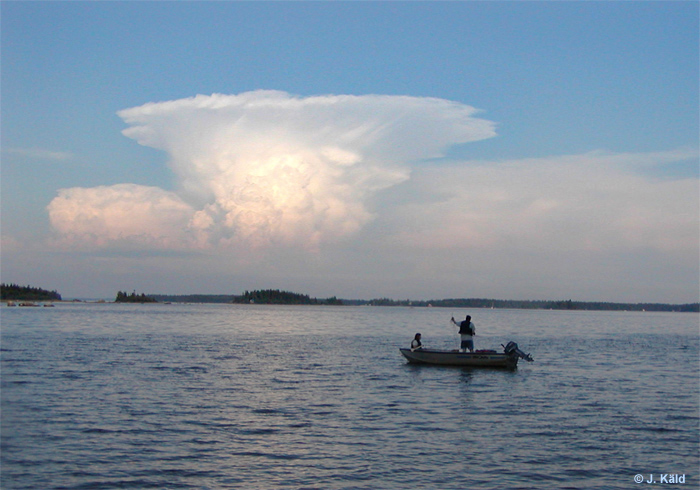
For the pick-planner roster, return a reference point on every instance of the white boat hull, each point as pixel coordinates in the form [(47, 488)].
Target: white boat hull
[(456, 358)]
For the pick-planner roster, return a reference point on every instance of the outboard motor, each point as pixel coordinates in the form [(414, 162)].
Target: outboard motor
[(511, 348)]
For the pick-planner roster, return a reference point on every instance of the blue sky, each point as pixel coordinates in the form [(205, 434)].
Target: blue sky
[(576, 177)]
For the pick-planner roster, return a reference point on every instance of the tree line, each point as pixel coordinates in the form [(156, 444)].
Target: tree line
[(124, 297), (531, 305), (277, 297), (14, 292)]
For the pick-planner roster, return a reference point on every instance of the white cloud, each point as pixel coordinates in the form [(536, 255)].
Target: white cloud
[(100, 216), (40, 154), (265, 168), (592, 202)]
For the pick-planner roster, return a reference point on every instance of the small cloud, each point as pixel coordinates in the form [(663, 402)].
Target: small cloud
[(40, 154)]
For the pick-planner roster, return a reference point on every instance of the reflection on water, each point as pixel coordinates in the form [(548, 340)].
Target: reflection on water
[(220, 396)]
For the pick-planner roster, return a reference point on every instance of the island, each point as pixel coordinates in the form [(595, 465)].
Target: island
[(13, 292), (277, 297), (123, 297)]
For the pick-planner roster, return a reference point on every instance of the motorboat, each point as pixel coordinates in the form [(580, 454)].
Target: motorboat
[(507, 359)]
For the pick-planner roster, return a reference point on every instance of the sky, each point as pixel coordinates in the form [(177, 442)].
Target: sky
[(408, 150)]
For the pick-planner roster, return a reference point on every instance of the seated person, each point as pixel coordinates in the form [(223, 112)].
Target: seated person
[(415, 343)]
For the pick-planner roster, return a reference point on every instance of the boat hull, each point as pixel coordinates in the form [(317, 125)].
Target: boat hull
[(456, 358)]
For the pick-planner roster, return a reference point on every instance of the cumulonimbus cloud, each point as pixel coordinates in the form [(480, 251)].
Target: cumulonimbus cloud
[(264, 167)]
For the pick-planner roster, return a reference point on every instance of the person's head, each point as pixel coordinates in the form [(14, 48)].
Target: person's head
[(417, 337), (469, 318)]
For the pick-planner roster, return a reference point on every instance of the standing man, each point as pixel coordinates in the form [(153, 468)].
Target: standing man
[(466, 332)]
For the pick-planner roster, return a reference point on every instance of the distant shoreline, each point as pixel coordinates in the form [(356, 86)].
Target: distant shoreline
[(579, 306), (458, 303), (15, 295)]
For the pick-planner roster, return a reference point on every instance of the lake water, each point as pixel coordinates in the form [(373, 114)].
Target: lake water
[(106, 396)]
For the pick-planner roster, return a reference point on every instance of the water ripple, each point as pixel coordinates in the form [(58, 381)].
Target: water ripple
[(190, 396)]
